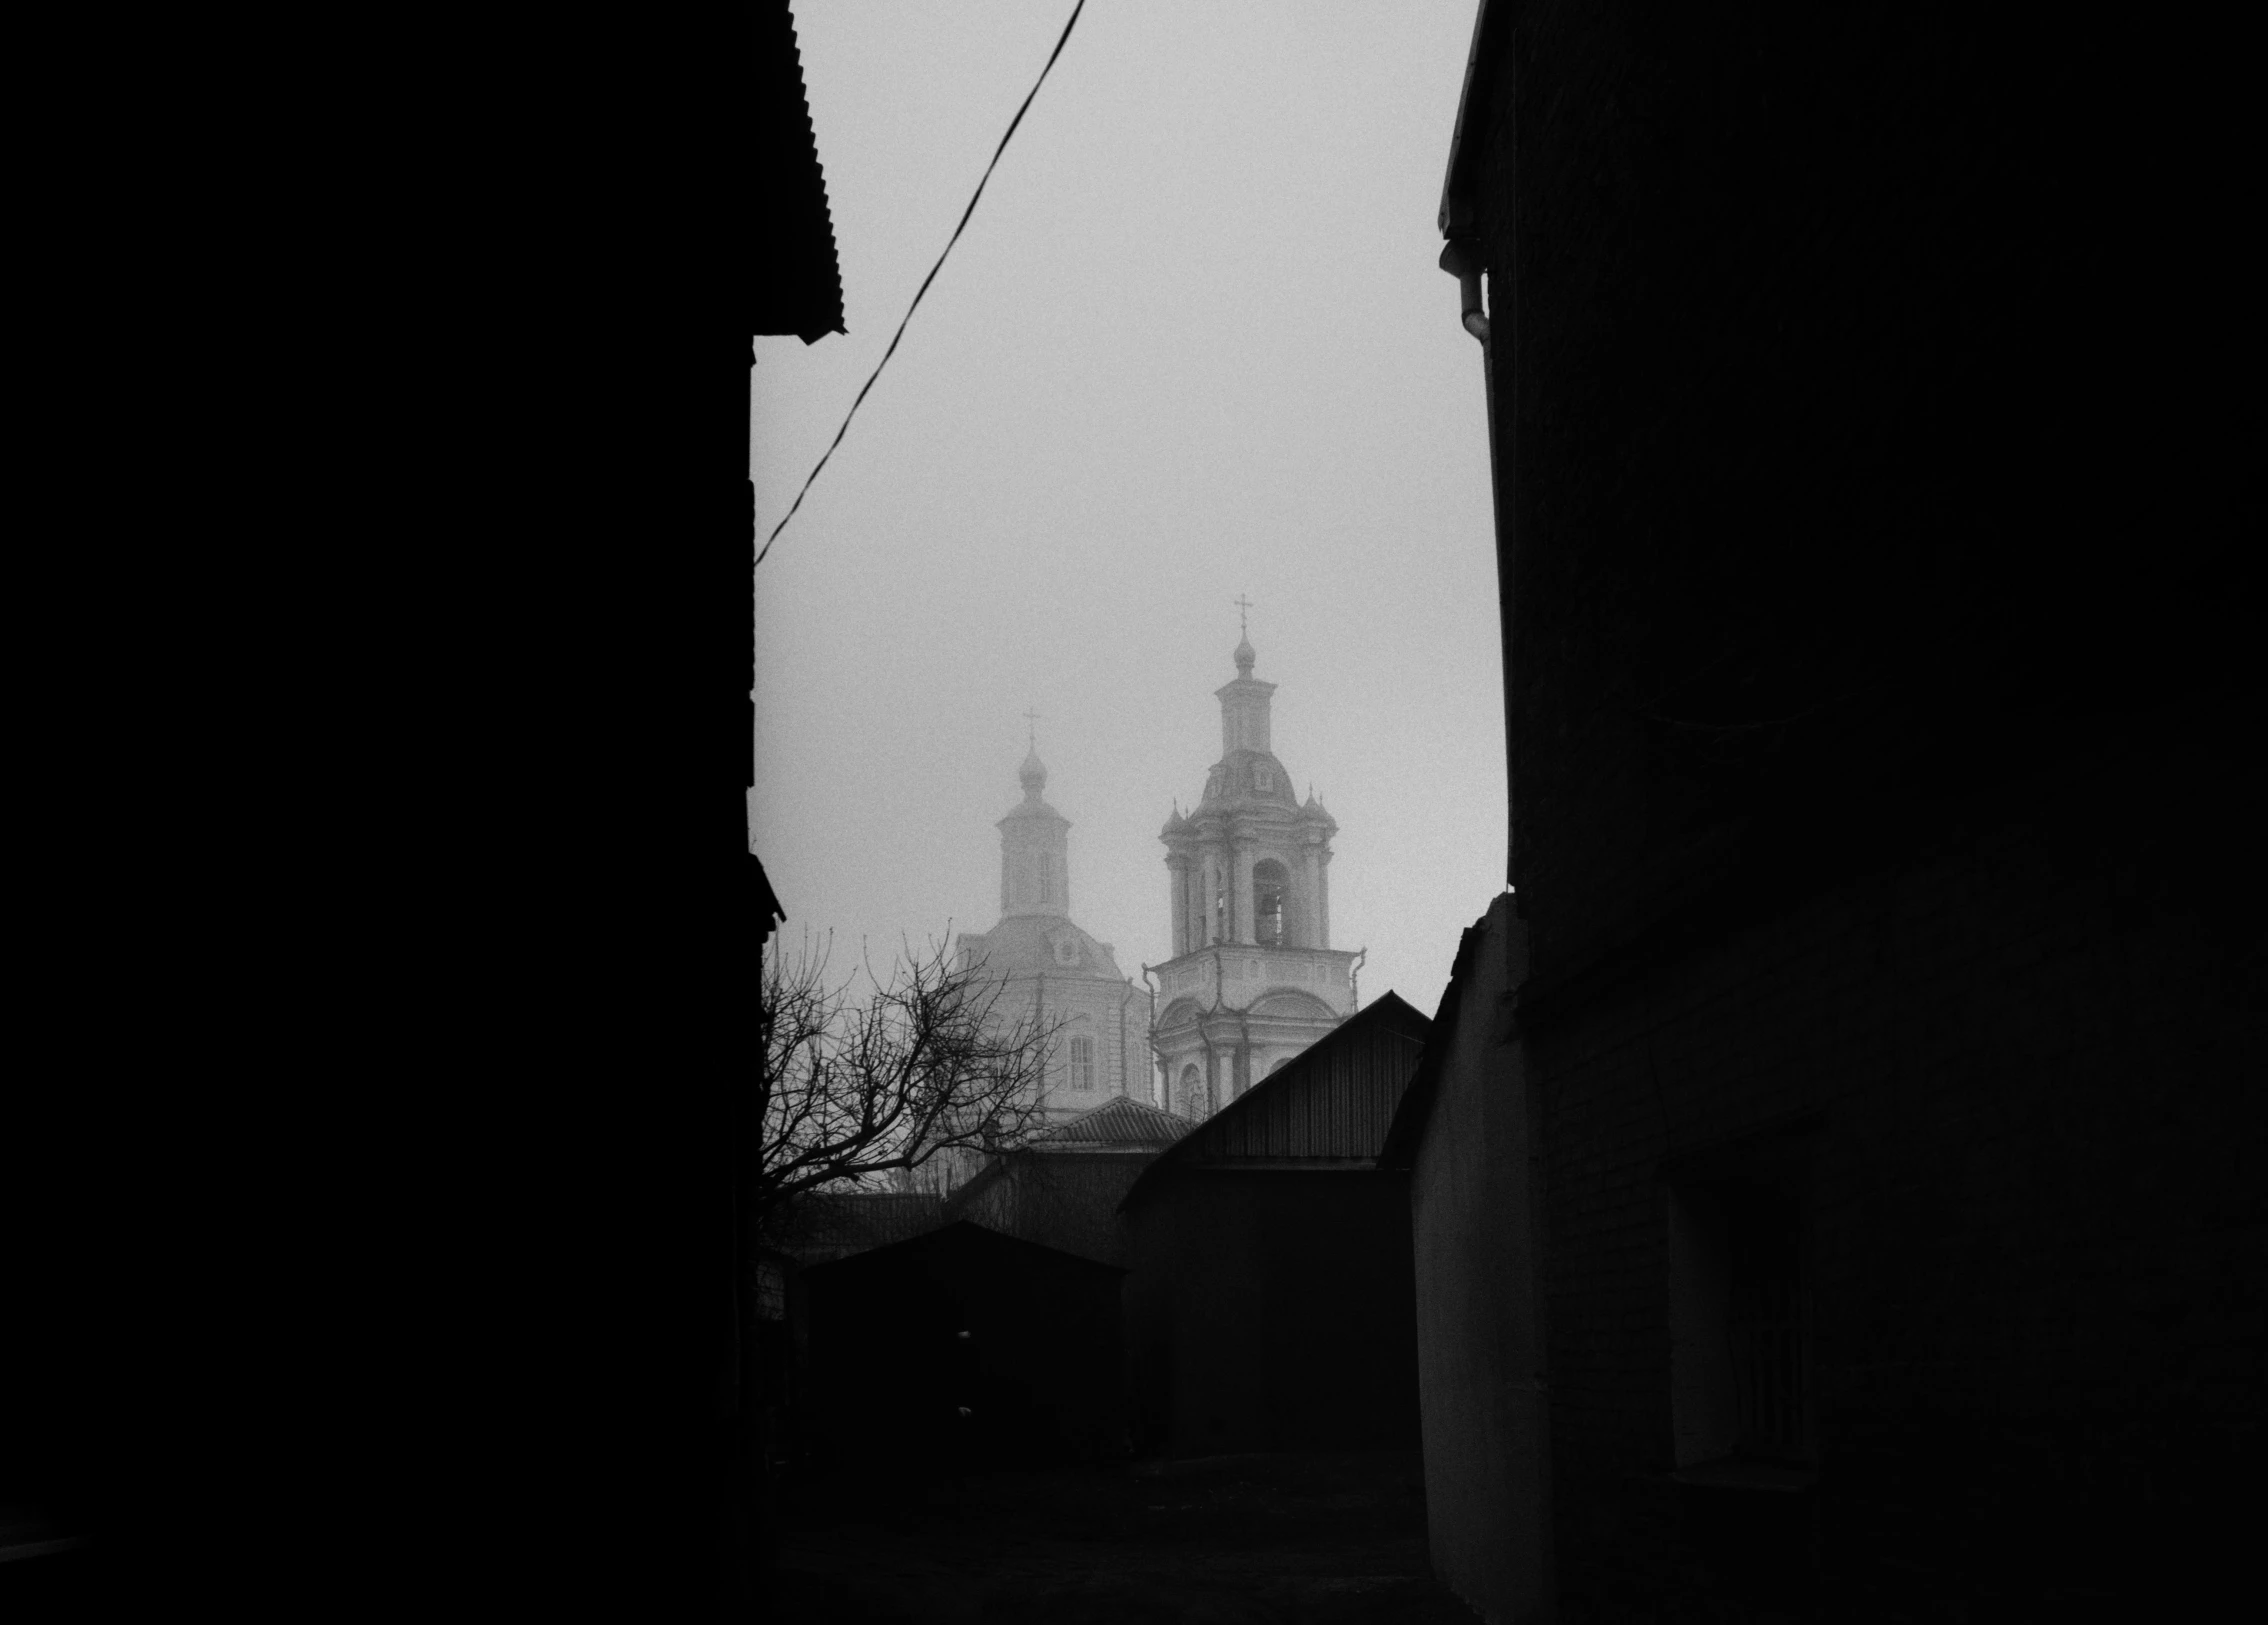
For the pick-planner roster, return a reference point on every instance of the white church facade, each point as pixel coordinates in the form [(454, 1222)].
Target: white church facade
[(1253, 979)]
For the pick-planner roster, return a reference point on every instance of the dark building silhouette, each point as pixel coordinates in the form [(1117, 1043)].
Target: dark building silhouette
[(1269, 1306), (1063, 1189), (1833, 1170), (962, 1349), (789, 283), (819, 1227)]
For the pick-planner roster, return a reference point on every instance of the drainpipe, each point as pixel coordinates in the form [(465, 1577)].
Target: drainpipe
[(1461, 258), (1354, 976)]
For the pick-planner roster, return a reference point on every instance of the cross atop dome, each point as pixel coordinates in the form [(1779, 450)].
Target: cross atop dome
[(1245, 654)]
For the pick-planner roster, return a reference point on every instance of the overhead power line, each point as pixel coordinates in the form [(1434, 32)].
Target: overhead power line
[(926, 281)]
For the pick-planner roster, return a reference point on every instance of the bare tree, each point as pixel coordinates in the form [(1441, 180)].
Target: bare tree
[(854, 1087)]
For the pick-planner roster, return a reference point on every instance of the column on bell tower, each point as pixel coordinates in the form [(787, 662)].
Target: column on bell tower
[(1177, 835), (1316, 829), (1210, 848)]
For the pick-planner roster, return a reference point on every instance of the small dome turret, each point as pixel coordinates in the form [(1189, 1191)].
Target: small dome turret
[(1245, 655), (1032, 774)]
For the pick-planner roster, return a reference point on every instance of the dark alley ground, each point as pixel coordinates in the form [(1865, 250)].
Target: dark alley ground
[(1235, 1540)]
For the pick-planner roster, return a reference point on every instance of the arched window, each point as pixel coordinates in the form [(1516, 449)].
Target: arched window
[(1188, 1097), (1047, 893), (1082, 1063), (1271, 887)]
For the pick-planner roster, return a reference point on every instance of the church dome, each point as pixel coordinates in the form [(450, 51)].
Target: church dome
[(1032, 774), (1044, 945), (1245, 777), (1245, 655)]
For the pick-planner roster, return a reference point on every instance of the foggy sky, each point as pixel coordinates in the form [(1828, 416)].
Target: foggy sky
[(1194, 344)]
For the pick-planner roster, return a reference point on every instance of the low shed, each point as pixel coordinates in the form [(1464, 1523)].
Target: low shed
[(1270, 1305), (964, 1347)]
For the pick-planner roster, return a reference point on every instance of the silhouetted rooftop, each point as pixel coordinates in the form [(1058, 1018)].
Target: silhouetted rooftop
[(1118, 1124)]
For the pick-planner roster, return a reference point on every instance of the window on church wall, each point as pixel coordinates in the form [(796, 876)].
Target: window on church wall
[(1270, 887), (1082, 1064), (1046, 877), (1188, 1097)]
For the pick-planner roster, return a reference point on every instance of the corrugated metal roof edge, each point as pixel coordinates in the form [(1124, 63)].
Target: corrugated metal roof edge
[(804, 173), (1389, 1009)]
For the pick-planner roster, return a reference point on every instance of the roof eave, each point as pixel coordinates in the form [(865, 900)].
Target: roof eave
[(1455, 219)]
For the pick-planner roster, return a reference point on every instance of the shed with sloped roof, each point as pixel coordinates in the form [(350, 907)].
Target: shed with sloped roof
[(1270, 1304)]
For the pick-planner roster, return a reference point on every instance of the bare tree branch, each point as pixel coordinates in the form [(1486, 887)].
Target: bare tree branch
[(926, 1062)]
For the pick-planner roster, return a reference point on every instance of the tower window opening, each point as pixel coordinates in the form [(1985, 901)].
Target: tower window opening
[(1082, 1064), (1220, 916), (1047, 877), (1269, 885)]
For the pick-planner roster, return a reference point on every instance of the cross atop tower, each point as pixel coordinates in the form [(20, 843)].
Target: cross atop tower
[(1243, 608)]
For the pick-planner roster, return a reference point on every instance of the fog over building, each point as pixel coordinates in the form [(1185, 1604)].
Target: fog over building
[(1035, 505)]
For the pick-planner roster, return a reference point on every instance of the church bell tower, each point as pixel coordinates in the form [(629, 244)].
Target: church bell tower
[(1254, 979)]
